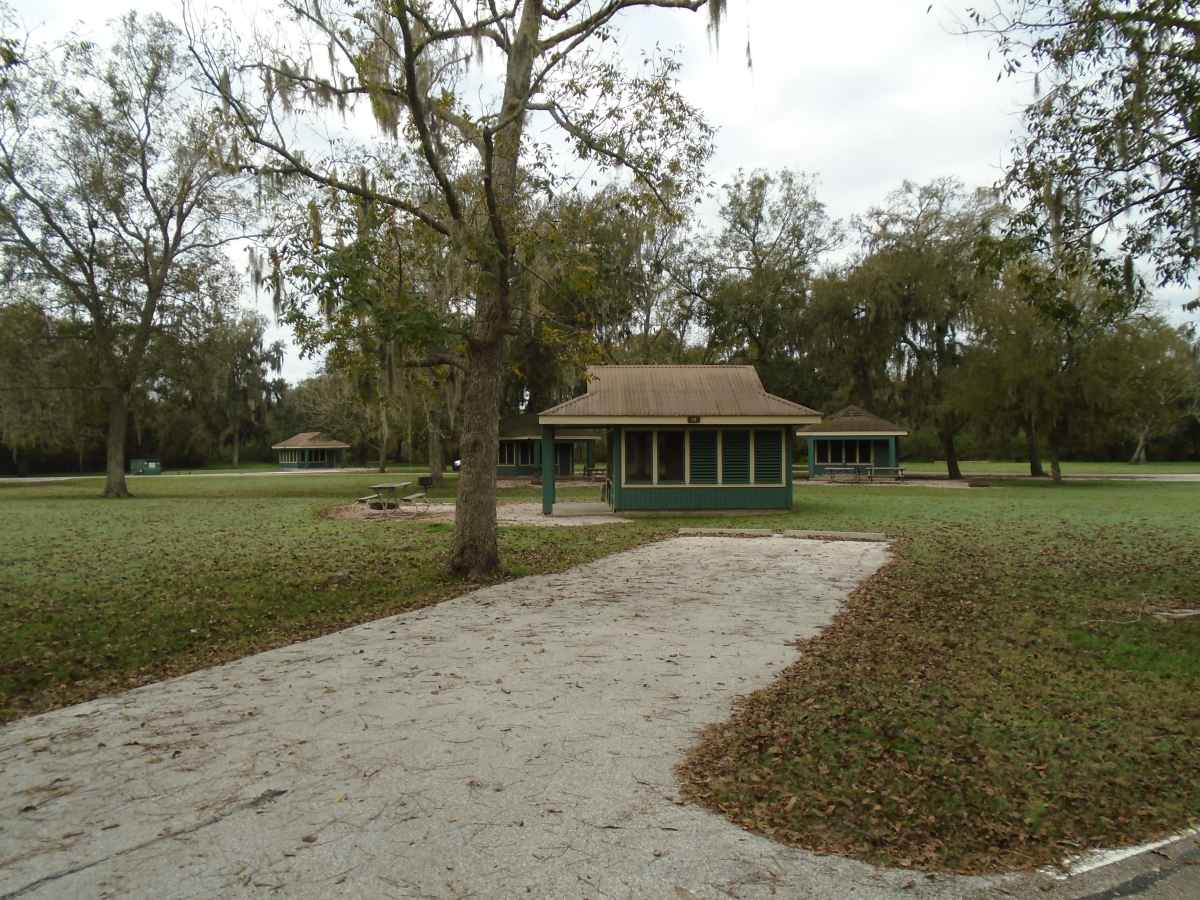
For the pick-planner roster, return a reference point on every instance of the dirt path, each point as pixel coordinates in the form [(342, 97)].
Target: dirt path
[(518, 741)]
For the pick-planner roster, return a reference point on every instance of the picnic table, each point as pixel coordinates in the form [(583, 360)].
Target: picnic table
[(863, 470), (388, 492)]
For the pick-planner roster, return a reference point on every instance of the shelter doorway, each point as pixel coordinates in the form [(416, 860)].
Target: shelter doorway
[(564, 460)]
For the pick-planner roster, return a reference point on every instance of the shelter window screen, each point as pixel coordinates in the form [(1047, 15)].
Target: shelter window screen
[(507, 453), (735, 457), (822, 449), (670, 464), (704, 457), (639, 457), (768, 457), (525, 454)]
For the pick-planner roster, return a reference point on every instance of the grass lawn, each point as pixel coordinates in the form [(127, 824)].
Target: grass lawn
[(998, 697), (101, 595), (1008, 467)]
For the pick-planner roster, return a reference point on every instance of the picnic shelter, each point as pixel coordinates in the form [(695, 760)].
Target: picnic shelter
[(683, 437), (851, 437), (310, 450), (520, 454)]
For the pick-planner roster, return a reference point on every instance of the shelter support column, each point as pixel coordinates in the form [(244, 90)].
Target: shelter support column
[(547, 469), (892, 452), (789, 462), (588, 458)]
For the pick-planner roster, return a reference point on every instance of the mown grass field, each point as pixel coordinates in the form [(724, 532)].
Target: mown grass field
[(1000, 696), (101, 595)]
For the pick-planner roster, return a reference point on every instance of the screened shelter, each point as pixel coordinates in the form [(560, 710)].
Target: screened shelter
[(688, 437), (310, 450), (851, 437)]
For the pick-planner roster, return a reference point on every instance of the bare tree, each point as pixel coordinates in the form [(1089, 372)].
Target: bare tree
[(111, 198)]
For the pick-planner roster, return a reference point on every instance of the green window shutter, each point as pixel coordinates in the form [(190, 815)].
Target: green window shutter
[(735, 457), (704, 457), (768, 457)]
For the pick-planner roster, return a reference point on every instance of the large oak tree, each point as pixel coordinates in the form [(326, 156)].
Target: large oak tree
[(463, 84), (1113, 133)]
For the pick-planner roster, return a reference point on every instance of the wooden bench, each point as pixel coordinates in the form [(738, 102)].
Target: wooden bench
[(887, 473), (367, 499), (412, 497)]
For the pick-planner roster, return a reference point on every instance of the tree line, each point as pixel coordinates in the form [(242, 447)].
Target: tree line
[(456, 268)]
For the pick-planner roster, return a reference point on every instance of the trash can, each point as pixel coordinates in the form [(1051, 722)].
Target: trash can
[(146, 466)]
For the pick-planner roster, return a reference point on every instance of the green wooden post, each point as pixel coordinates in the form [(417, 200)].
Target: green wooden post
[(789, 440), (588, 460), (614, 468), (812, 457), (891, 451), (547, 469)]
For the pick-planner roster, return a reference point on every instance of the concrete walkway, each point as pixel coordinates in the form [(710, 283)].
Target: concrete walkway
[(518, 741)]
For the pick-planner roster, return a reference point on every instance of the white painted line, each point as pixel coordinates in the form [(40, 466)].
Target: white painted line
[(1095, 859)]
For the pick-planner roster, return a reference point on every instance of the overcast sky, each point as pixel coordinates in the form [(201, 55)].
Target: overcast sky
[(864, 95)]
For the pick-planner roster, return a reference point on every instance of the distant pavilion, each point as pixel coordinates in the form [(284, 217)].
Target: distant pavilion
[(311, 450), (851, 436)]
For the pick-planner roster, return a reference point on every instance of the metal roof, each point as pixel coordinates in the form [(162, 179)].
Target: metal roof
[(676, 392), (310, 440), (852, 420)]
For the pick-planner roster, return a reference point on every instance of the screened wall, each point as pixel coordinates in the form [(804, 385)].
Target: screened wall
[(710, 457)]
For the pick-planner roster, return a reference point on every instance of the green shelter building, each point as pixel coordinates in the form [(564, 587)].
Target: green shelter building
[(683, 437), (520, 454), (851, 437), (310, 450)]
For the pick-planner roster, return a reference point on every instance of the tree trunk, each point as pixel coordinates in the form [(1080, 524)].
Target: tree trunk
[(864, 392), (236, 445), (1139, 453), (475, 553), (437, 452), (1035, 450), (406, 452), (384, 433), (118, 422), (1055, 466), (952, 469)]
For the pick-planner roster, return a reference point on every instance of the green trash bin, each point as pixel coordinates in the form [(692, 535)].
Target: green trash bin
[(147, 466)]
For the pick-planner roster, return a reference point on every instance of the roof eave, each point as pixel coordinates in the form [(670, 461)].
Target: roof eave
[(804, 432), (603, 421)]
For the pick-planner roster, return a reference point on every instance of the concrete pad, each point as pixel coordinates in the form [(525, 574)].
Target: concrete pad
[(518, 741), (596, 513), (727, 532), (573, 515), (836, 535)]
